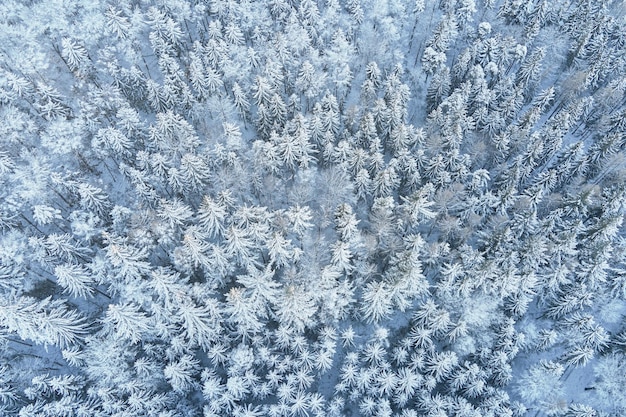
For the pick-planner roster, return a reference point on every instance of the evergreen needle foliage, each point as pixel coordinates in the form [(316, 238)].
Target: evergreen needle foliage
[(312, 208)]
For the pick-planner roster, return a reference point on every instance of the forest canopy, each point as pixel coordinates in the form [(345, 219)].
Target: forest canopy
[(312, 208)]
